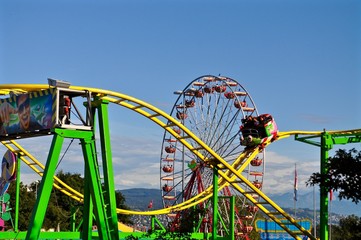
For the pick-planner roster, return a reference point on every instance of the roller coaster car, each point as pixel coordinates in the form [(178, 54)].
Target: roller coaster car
[(257, 130)]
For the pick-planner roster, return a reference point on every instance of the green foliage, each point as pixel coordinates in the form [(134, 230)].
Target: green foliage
[(343, 175), (161, 235), (348, 229), (61, 207), (120, 200), (190, 219), (27, 202)]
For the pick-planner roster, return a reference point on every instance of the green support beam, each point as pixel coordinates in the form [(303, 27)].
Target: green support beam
[(232, 218), (87, 222), (45, 188), (95, 186), (327, 140), (215, 204), (326, 145), (109, 186), (95, 200)]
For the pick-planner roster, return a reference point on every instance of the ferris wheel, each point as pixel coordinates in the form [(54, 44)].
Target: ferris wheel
[(214, 109)]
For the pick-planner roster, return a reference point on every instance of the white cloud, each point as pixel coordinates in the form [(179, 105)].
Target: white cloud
[(280, 169)]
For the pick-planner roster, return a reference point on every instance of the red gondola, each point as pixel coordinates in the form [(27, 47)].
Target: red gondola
[(177, 130), (256, 162), (239, 104), (181, 115), (189, 103), (209, 89), (252, 209), (257, 184), (220, 88), (247, 229), (170, 149), (229, 95), (199, 94), (167, 188), (167, 168)]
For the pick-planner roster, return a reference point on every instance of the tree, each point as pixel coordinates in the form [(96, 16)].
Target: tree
[(121, 204), (60, 208), (27, 201), (348, 229), (343, 176)]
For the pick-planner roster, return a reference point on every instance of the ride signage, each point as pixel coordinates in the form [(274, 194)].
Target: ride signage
[(270, 230), (25, 114)]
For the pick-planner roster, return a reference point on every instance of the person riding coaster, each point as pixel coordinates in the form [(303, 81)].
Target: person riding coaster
[(257, 130)]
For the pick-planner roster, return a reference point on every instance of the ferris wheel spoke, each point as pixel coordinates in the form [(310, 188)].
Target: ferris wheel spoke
[(218, 126), (227, 149)]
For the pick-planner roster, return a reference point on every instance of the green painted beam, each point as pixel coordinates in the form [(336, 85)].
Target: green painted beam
[(107, 164), (45, 188)]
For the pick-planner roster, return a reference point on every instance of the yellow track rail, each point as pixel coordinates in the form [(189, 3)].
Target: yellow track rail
[(229, 174)]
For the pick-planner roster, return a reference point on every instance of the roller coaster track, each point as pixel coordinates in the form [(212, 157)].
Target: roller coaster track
[(229, 174)]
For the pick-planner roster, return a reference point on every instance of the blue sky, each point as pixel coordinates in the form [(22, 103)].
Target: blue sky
[(300, 61)]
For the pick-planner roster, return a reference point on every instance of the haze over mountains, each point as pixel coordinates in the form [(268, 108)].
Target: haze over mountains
[(139, 198)]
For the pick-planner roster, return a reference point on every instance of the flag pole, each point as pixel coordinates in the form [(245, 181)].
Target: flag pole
[(295, 189)]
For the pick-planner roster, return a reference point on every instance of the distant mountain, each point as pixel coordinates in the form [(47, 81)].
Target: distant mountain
[(307, 201), (139, 198)]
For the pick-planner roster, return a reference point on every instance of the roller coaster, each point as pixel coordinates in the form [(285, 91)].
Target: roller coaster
[(229, 167)]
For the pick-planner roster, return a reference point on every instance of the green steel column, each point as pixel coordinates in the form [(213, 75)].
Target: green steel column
[(152, 223), (215, 203), (326, 144), (109, 187), (87, 221), (231, 217), (45, 188), (87, 224), (72, 220), (93, 179), (17, 193)]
